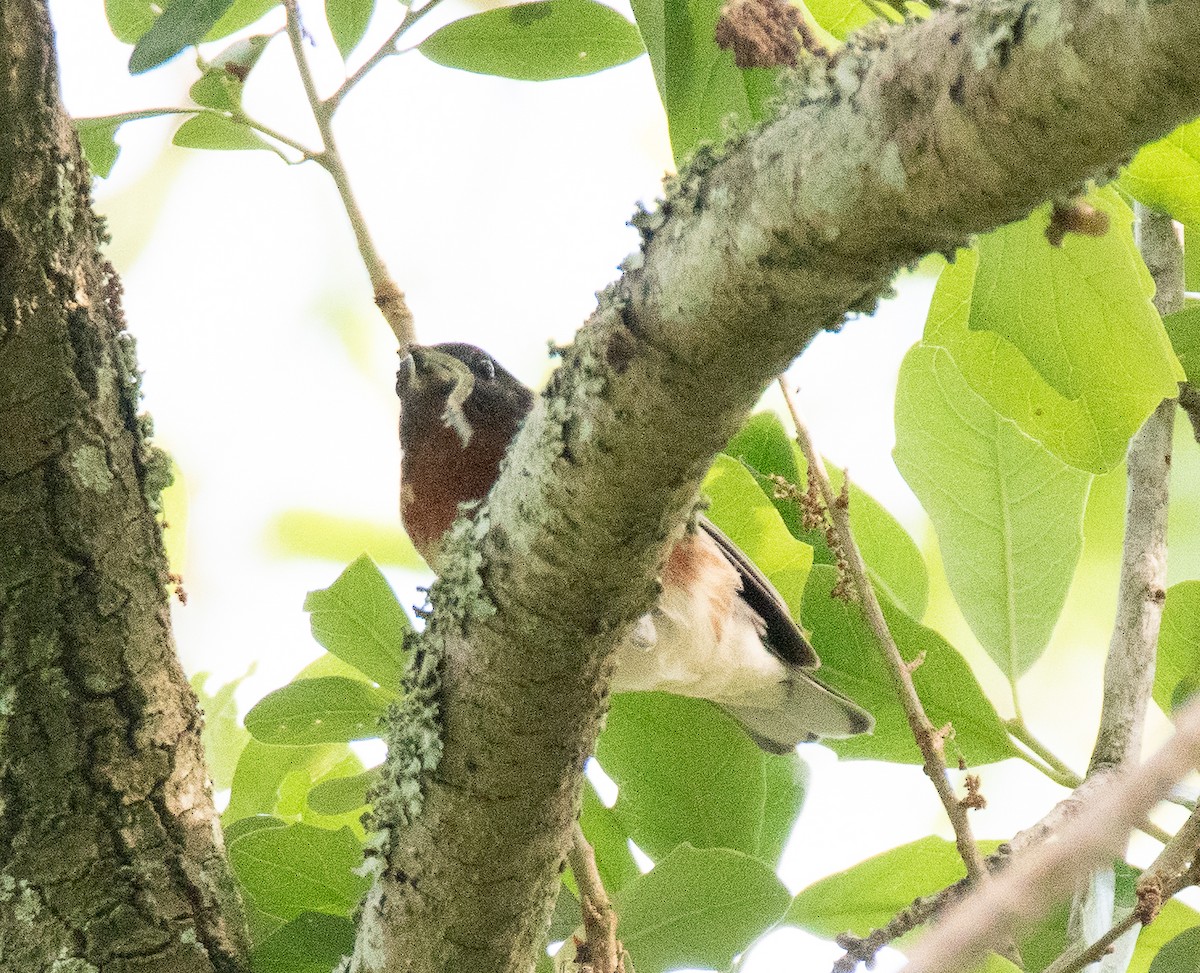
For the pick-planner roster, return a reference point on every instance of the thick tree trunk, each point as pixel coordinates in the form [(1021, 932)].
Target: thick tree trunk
[(110, 855)]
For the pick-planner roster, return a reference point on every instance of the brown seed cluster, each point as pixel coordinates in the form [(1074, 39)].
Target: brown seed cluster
[(761, 33)]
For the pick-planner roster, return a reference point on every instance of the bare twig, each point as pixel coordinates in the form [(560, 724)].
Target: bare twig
[(1189, 402), (1129, 666), (384, 51), (388, 296), (1033, 883), (604, 954), (929, 738)]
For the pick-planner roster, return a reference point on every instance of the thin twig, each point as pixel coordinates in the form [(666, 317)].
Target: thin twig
[(1034, 882), (1129, 666), (388, 296), (928, 737), (385, 50), (1062, 773), (604, 954)]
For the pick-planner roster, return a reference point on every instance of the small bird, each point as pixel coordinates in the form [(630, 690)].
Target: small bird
[(720, 630)]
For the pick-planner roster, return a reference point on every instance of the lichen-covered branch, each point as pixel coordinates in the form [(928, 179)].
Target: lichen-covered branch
[(906, 144), (110, 854)]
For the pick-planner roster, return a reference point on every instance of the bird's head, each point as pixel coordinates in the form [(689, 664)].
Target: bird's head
[(459, 410)]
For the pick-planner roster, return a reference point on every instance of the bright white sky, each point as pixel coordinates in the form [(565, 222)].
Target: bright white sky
[(500, 208)]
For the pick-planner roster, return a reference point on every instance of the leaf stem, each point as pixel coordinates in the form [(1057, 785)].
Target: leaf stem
[(1062, 773), (385, 50), (388, 296)]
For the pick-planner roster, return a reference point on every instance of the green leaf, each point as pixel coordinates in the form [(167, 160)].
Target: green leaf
[(840, 17), (262, 770), (739, 507), (244, 826), (129, 19), (1177, 674), (1008, 513), (348, 21), (310, 533), (536, 41), (568, 916), (698, 908), (609, 838), (852, 663), (868, 895), (98, 139), (1183, 328), (698, 83), (212, 131), (313, 942), (182, 24), (1166, 174), (786, 780), (1180, 955), (341, 795), (359, 620), (241, 14), (1059, 320), (220, 87), (894, 562), (685, 772), (332, 709), (224, 736), (300, 869), (1174, 919)]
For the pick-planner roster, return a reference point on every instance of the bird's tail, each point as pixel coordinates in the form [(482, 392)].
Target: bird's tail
[(796, 710)]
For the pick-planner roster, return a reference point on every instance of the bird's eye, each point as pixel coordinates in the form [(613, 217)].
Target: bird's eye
[(485, 369)]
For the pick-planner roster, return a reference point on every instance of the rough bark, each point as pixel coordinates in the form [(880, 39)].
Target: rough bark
[(906, 144), (110, 855)]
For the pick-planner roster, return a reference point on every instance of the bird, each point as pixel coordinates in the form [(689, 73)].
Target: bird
[(720, 631)]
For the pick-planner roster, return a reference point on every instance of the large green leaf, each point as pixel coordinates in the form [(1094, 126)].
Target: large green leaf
[(739, 507), (1058, 325), (220, 86), (1177, 674), (686, 772), (868, 895), (698, 83), (536, 41), (129, 19), (299, 868), (893, 560), (698, 907), (359, 620), (241, 14), (1166, 174), (1180, 955), (1175, 919), (1008, 513), (313, 942), (348, 21), (332, 709), (182, 24), (852, 662), (786, 779), (262, 770), (98, 138), (334, 795)]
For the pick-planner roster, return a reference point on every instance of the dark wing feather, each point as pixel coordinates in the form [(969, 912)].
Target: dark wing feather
[(784, 637)]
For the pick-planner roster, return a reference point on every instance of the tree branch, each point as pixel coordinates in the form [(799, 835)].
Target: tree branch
[(604, 952), (944, 128), (1033, 883), (929, 739), (1129, 666)]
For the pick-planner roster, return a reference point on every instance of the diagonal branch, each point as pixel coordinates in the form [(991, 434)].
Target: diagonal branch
[(907, 145)]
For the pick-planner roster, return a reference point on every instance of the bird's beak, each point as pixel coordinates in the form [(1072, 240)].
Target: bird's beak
[(429, 371), (427, 368)]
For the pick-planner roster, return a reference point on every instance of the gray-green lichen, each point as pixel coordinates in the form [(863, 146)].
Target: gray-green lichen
[(72, 964), (91, 468)]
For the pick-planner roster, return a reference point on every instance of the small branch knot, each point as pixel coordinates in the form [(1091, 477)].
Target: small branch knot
[(974, 799), (761, 33)]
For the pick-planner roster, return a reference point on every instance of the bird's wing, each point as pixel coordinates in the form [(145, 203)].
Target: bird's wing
[(784, 637)]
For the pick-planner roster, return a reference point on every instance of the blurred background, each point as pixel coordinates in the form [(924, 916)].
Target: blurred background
[(500, 208)]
